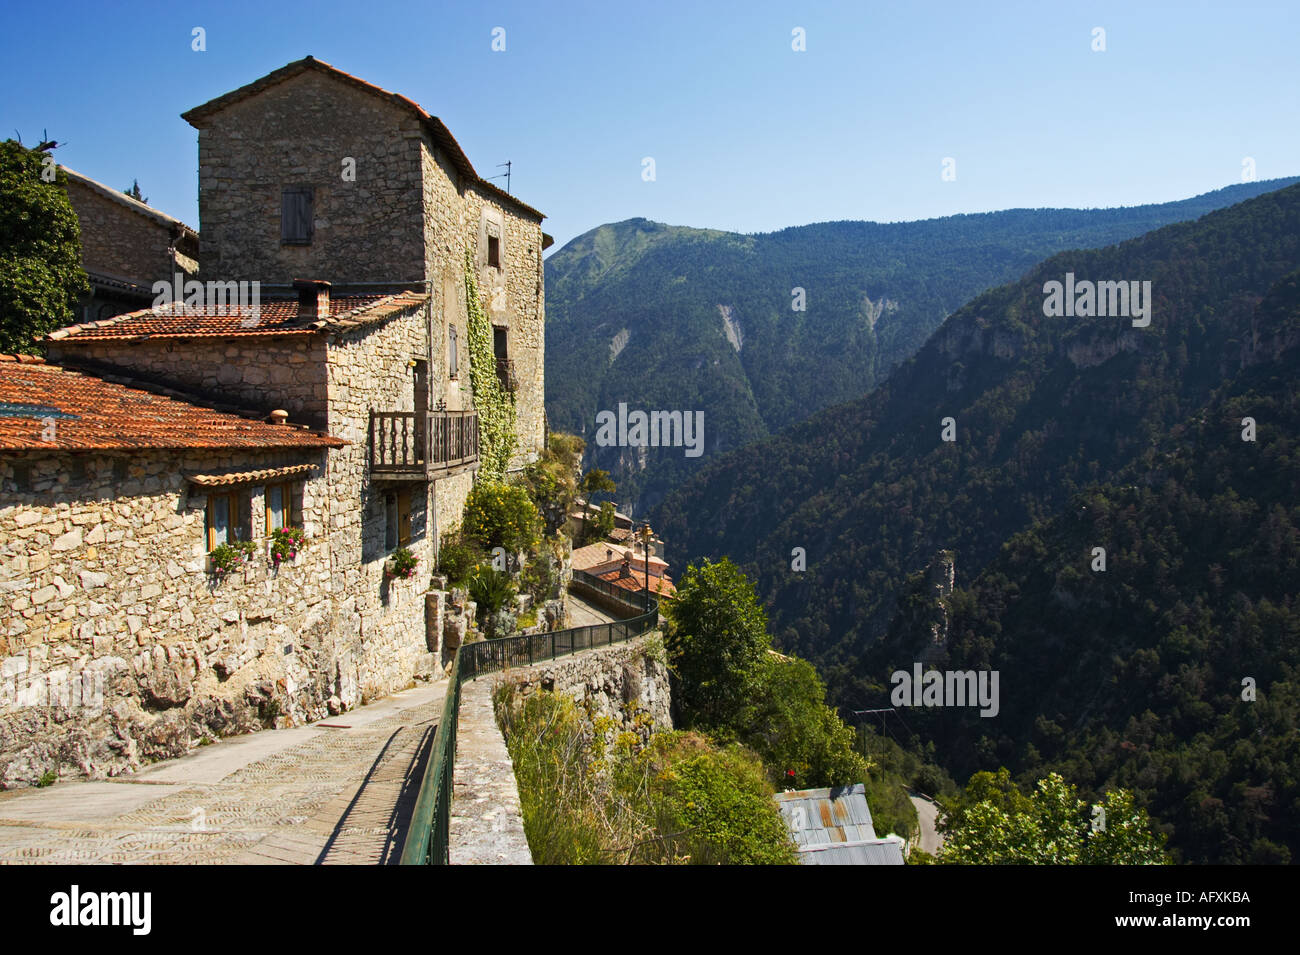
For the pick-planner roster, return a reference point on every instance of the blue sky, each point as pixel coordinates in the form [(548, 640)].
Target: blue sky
[(746, 133)]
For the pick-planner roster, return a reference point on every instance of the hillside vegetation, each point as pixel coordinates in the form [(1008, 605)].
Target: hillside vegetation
[(671, 318), (1070, 434)]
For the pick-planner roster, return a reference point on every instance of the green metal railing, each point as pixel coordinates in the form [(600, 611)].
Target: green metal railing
[(427, 836)]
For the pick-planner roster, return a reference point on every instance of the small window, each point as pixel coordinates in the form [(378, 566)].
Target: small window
[(279, 507), (494, 252), (453, 353), (397, 519), (296, 215), (225, 519)]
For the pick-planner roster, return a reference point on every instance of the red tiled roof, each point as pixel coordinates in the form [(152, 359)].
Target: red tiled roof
[(279, 317), (440, 134), (659, 586), (89, 413)]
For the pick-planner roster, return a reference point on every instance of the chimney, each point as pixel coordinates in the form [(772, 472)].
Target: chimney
[(313, 298), (279, 416)]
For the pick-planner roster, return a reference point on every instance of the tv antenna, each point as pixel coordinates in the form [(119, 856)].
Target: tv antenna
[(505, 175)]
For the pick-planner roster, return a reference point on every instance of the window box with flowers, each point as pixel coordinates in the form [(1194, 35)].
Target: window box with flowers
[(401, 564), (286, 543), (226, 559)]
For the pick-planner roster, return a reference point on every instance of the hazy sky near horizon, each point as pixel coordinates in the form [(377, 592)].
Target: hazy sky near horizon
[(746, 133)]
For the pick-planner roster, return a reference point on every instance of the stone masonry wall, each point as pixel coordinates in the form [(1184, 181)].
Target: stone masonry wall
[(298, 133), (623, 682), (117, 241), (261, 372), (103, 576), (370, 369), (119, 647)]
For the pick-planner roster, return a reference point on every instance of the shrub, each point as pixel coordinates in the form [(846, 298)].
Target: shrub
[(490, 589), (285, 543), (587, 798), (541, 578), (457, 558), (552, 480), (402, 563), (501, 515), (229, 557)]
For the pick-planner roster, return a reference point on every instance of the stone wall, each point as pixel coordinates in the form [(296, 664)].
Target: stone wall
[(117, 241), (298, 133), (369, 368), (257, 372), (623, 682), (119, 647)]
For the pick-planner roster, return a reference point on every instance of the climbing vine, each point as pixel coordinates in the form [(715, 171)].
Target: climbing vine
[(495, 404)]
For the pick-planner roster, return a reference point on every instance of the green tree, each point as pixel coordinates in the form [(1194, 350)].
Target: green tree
[(996, 824), (552, 480), (722, 807), (135, 193), (41, 276), (718, 643), (594, 481), (794, 730)]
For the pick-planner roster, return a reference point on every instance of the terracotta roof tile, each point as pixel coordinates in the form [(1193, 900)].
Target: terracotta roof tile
[(249, 477), (660, 586), (80, 412), (276, 317)]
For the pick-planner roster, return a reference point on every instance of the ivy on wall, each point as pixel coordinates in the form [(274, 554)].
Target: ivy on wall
[(495, 404)]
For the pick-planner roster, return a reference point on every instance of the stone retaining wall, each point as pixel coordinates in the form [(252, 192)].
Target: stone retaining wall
[(623, 682)]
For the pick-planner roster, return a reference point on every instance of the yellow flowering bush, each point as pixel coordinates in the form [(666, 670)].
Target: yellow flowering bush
[(502, 515)]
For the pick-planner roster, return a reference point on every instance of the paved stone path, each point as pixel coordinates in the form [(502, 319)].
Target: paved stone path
[(487, 825), (337, 791)]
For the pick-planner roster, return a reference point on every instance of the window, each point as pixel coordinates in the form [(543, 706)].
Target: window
[(494, 252), (397, 519), (296, 215), (453, 353), (279, 507), (225, 518)]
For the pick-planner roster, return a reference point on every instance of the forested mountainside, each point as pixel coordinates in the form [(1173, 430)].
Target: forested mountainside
[(1071, 434), (671, 318)]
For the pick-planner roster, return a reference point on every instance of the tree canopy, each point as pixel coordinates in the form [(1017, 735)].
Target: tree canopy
[(41, 277)]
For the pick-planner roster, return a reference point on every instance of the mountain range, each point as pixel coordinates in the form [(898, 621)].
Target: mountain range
[(661, 317), (956, 515)]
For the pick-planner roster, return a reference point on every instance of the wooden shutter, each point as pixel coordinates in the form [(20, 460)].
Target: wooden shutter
[(404, 518), (296, 215)]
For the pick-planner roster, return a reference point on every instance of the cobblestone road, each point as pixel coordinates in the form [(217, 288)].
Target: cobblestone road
[(337, 791)]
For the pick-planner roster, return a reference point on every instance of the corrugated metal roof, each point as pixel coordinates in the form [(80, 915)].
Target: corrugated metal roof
[(873, 852), (827, 816)]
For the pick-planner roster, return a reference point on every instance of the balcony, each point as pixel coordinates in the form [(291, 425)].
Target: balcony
[(405, 446)]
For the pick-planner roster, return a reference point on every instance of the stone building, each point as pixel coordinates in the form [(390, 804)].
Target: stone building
[(126, 246), (145, 440), (312, 172)]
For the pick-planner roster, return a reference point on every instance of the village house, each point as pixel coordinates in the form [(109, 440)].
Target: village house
[(126, 246), (626, 566), (341, 404)]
